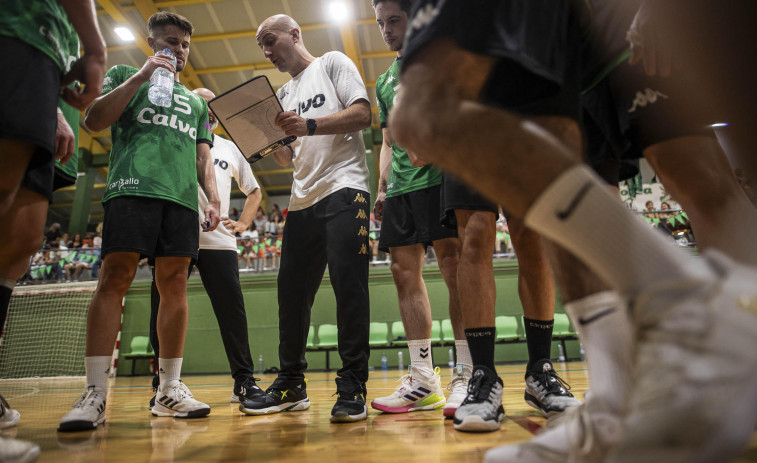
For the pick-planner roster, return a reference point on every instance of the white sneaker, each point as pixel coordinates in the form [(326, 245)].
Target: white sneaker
[(176, 401), (547, 392), (18, 451), (88, 411), (8, 416), (694, 395), (585, 433), (414, 393), (458, 388), (482, 409)]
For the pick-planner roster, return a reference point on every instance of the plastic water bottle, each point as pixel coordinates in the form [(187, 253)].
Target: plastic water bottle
[(400, 361), (384, 363), (161, 82), (261, 366), (451, 356), (561, 352)]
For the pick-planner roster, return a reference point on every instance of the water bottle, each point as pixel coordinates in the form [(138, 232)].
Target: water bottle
[(261, 367), (451, 357), (384, 363), (400, 361), (161, 82), (561, 352)]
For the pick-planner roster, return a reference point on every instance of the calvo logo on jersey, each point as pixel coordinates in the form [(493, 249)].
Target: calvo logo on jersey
[(148, 116), (315, 102)]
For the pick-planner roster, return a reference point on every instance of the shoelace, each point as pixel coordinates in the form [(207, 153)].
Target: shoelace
[(88, 395), (479, 388), (554, 385)]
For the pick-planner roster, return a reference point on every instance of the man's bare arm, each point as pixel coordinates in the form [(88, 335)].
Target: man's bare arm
[(89, 69), (251, 205), (356, 117), (385, 167), (106, 110), (283, 156), (206, 177)]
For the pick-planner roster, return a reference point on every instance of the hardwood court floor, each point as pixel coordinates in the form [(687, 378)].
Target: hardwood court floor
[(131, 434)]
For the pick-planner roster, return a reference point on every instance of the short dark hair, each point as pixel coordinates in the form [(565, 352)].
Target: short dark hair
[(404, 4), (166, 18)]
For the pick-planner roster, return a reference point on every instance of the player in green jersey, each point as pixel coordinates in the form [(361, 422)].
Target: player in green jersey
[(158, 157), (40, 45), (408, 204)]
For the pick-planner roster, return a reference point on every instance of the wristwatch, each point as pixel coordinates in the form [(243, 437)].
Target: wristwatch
[(311, 126)]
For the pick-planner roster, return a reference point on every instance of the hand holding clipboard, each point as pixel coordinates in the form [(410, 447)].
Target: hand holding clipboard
[(248, 114)]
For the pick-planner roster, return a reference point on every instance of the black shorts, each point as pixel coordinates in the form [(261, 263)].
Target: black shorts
[(413, 218), (456, 195), (605, 145), (29, 96), (712, 78), (151, 227), (536, 41)]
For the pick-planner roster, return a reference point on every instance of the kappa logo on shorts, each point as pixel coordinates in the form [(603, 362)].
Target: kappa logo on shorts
[(362, 232), (363, 250), (359, 198), (424, 16), (648, 96), (361, 214)]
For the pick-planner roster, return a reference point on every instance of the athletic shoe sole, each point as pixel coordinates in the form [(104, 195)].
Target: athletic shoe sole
[(408, 408), (475, 423), (547, 412), (303, 404), (160, 410), (449, 412), (344, 417), (80, 425)]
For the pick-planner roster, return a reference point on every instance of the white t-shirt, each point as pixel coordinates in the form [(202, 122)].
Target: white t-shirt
[(228, 162), (324, 164)]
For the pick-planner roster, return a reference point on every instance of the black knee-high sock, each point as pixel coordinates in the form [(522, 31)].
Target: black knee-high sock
[(481, 346), (538, 339)]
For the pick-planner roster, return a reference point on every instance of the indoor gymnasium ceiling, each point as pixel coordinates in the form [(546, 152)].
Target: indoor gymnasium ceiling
[(224, 54)]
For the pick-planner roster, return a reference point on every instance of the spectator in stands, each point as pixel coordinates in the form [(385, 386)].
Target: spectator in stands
[(650, 206), (251, 233), (52, 258), (260, 220), (76, 243), (275, 217), (97, 241), (74, 268), (234, 214), (65, 241), (53, 233), (88, 240)]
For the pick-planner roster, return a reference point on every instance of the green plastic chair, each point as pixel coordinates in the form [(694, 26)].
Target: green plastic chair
[(311, 337), (507, 328), (447, 332), (398, 334), (562, 326), (379, 334), (436, 332), (140, 350), (328, 335)]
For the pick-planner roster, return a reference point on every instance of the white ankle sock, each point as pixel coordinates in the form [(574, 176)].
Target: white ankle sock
[(463, 353), (97, 368), (577, 212), (420, 355), (169, 371), (605, 331)]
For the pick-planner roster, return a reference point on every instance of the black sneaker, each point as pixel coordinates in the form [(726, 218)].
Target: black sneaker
[(482, 408), (246, 389), (350, 405), (278, 398), (155, 384), (547, 392)]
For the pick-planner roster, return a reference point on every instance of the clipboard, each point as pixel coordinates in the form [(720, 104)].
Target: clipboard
[(247, 112)]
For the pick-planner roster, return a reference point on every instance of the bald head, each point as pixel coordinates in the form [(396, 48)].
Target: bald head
[(280, 23), (207, 95)]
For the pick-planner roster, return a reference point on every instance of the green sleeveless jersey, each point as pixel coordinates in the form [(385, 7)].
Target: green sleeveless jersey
[(42, 24), (154, 150), (403, 178)]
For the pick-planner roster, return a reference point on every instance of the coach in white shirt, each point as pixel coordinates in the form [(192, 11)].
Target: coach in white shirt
[(217, 261), (325, 106)]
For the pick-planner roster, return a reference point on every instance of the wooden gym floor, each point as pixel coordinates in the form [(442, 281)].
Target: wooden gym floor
[(131, 434)]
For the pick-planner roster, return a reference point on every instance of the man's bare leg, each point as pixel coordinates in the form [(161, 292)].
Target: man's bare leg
[(14, 159)]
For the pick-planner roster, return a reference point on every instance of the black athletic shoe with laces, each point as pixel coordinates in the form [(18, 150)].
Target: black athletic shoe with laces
[(482, 409), (279, 397), (246, 389), (350, 405), (155, 384), (547, 392)]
